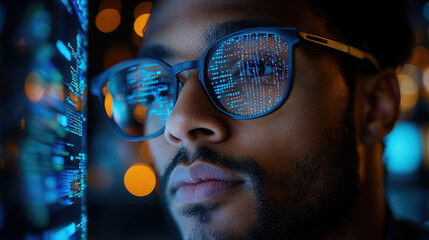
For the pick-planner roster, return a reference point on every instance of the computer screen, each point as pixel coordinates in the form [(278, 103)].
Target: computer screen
[(43, 118)]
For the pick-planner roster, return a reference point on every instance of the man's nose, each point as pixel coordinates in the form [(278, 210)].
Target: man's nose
[(195, 120)]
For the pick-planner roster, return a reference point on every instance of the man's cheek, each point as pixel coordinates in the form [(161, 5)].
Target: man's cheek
[(162, 152)]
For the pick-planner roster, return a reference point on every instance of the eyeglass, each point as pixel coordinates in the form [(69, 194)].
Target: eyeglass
[(246, 75)]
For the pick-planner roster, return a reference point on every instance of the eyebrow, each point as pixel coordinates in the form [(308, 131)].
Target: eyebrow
[(214, 32), (156, 51), (208, 36)]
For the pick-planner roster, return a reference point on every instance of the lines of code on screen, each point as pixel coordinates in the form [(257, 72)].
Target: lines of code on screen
[(45, 197)]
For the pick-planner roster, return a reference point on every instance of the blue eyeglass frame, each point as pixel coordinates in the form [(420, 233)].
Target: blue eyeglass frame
[(292, 37)]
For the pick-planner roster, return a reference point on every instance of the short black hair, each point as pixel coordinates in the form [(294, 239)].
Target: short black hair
[(381, 27)]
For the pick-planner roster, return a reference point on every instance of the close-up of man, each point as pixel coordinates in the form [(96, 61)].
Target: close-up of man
[(266, 119)]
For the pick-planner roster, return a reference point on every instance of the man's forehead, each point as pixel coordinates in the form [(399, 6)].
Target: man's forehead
[(219, 30), (208, 35), (212, 10), (185, 28)]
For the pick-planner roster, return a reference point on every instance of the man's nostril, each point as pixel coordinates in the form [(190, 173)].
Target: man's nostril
[(205, 131)]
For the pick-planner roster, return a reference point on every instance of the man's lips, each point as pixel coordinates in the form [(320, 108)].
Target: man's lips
[(199, 182)]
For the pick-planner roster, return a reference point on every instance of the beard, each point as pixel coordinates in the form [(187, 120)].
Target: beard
[(325, 186), (321, 190)]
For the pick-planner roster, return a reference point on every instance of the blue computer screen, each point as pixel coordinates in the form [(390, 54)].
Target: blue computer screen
[(43, 102)]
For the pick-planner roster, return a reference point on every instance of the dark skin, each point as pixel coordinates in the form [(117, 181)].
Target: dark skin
[(317, 108)]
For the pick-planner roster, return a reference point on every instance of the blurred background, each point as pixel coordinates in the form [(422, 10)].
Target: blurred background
[(115, 212), (84, 168)]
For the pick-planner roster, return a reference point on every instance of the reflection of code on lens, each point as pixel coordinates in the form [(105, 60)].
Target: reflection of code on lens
[(149, 84), (52, 155), (248, 73), (139, 98)]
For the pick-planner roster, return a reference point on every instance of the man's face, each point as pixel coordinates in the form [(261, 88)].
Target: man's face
[(290, 173)]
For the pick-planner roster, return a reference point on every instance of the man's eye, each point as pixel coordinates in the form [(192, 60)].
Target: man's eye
[(254, 68)]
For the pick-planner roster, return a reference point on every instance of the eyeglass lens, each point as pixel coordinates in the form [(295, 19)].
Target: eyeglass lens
[(245, 75), (248, 73), (139, 99)]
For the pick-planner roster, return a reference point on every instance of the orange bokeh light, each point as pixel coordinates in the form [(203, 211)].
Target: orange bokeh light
[(22, 123), (140, 180), (107, 20), (108, 104), (33, 87), (140, 113), (409, 92), (140, 24), (426, 81)]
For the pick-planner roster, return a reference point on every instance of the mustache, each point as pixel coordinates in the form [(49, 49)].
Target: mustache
[(242, 165)]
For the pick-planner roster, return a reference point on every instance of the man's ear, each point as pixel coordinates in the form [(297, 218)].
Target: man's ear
[(380, 105)]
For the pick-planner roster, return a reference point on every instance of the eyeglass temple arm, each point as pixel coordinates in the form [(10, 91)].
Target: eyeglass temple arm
[(357, 53)]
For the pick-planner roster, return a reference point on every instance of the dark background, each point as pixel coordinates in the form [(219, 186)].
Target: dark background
[(114, 213)]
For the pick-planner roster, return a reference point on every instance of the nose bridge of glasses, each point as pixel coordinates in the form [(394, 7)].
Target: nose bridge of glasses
[(180, 67)]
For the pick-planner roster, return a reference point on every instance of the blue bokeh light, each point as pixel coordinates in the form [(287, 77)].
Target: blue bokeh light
[(63, 50), (404, 153), (62, 119), (38, 26), (426, 11)]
